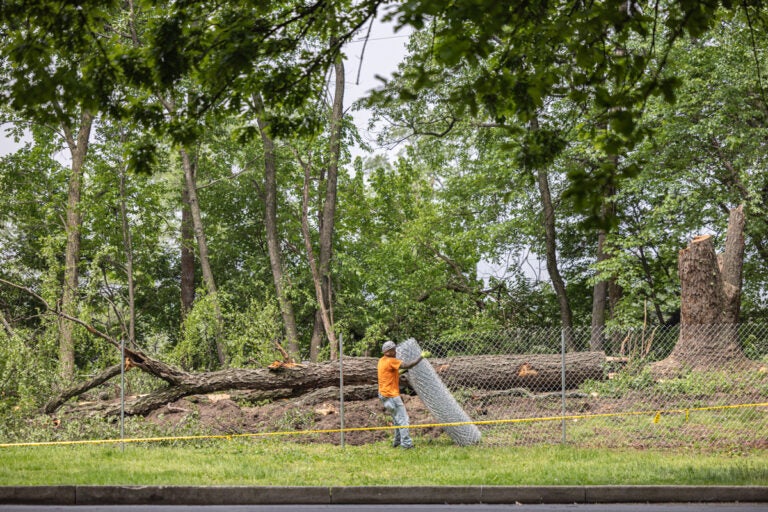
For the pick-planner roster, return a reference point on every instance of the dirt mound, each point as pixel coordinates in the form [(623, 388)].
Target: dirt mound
[(223, 414)]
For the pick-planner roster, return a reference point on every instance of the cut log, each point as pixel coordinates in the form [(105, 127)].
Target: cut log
[(537, 372)]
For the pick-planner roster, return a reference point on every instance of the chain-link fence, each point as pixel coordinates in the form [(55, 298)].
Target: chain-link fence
[(704, 386)]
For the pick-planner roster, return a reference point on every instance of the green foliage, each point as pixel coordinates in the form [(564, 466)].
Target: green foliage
[(43, 429), (691, 385), (698, 384), (755, 347), (196, 349), (490, 95), (27, 372), (637, 379), (251, 334), (295, 419)]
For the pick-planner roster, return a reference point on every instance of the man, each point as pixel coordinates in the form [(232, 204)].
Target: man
[(389, 391)]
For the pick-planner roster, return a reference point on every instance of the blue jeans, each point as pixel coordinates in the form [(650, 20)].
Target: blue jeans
[(395, 406)]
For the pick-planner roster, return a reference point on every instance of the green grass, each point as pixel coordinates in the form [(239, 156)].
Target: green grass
[(276, 463)]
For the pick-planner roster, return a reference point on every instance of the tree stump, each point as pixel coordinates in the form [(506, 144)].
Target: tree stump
[(710, 295)]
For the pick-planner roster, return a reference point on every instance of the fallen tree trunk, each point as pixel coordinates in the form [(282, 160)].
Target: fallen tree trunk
[(536, 372), (541, 372)]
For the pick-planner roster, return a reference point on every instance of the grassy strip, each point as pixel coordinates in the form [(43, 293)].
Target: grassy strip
[(280, 463)]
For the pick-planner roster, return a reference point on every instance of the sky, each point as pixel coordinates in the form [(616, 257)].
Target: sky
[(384, 50)]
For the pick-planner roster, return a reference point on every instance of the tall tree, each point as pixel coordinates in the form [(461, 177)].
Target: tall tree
[(46, 78), (550, 236), (77, 141), (703, 155), (125, 226), (279, 277), (327, 221)]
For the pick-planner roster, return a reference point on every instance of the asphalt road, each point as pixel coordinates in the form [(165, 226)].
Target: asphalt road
[(618, 507)]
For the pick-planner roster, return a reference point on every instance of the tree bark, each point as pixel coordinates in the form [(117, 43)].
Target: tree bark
[(326, 321), (53, 404), (78, 147), (537, 372), (709, 303), (273, 239), (731, 264), (190, 180), (603, 293)]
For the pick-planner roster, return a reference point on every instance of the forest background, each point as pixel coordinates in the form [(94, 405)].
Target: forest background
[(209, 211)]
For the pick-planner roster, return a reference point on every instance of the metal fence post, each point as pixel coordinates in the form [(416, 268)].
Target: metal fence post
[(341, 388), (562, 379), (122, 393)]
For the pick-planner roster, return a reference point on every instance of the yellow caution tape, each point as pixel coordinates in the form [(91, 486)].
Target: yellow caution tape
[(229, 437)]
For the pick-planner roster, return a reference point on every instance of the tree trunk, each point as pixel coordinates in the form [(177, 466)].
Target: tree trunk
[(709, 303), (53, 404), (602, 288), (78, 148), (537, 372), (731, 263), (187, 254), (273, 239), (550, 237), (128, 248), (566, 316), (202, 245), (327, 219), (190, 180), (326, 321), (599, 300), (540, 372)]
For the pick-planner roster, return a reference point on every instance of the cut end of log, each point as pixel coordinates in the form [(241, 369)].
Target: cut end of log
[(701, 238), (281, 365), (526, 370)]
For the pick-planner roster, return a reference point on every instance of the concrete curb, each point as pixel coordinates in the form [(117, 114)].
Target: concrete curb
[(183, 495)]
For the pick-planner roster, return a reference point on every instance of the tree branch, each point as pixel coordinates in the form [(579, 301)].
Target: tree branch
[(61, 314)]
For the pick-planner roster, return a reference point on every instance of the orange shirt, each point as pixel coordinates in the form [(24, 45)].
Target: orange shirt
[(389, 376)]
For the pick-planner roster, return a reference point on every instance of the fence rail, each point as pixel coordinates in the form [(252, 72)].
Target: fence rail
[(704, 386)]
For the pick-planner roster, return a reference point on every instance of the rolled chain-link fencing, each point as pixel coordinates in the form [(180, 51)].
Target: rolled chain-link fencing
[(436, 396), (703, 386)]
